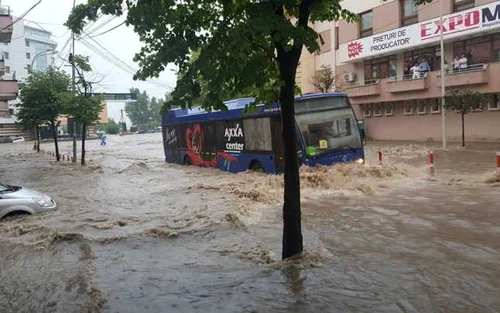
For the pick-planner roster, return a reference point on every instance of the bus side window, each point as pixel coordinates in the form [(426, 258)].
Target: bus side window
[(258, 134)]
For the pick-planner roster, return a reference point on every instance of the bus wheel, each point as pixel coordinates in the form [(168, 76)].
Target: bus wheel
[(256, 166), (187, 160)]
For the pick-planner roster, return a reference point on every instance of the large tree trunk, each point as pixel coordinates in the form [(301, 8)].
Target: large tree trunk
[(54, 135), (84, 132), (292, 230), (463, 130)]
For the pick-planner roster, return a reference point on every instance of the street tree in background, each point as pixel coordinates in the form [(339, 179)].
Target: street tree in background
[(138, 111), (324, 79), (145, 112), (245, 47), (42, 97), (83, 107), (464, 102)]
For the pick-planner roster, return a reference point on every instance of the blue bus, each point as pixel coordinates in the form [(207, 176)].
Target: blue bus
[(236, 141)]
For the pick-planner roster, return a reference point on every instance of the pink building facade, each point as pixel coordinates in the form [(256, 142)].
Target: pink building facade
[(9, 87), (374, 57)]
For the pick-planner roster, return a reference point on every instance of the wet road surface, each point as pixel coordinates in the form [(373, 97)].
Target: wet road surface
[(133, 234)]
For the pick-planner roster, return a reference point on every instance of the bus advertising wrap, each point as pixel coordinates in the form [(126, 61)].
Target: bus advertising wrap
[(455, 25)]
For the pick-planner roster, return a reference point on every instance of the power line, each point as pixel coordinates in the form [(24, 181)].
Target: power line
[(109, 56), (101, 25), (107, 31)]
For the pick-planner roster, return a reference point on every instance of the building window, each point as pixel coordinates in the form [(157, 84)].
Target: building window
[(337, 38), (436, 106), (408, 109), (366, 24), (324, 42), (380, 68), (6, 55), (460, 5), (367, 110), (494, 103), (409, 14), (377, 109), (27, 42), (28, 55), (28, 67), (7, 70), (422, 107), (389, 109)]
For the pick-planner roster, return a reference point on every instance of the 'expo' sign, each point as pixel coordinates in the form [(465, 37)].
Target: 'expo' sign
[(454, 25)]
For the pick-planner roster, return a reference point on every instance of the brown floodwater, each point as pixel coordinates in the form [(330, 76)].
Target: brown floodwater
[(134, 234)]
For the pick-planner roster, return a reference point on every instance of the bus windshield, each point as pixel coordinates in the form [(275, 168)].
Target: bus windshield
[(327, 124)]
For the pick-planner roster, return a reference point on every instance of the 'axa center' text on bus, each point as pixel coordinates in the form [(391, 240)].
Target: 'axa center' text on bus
[(235, 140)]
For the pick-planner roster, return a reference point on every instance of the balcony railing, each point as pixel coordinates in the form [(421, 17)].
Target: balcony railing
[(371, 87), (471, 75), (407, 82), (9, 89), (6, 27)]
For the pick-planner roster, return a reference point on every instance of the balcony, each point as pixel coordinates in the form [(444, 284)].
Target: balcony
[(472, 75), (9, 90), (370, 88), (406, 83), (6, 26)]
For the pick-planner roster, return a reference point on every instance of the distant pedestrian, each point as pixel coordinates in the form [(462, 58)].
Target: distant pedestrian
[(103, 140)]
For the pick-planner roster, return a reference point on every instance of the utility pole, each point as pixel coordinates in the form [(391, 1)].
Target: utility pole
[(73, 74), (443, 73)]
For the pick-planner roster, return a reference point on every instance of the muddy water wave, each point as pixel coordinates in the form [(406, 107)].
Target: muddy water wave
[(133, 234)]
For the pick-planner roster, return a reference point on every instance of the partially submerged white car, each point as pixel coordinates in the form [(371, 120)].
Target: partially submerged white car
[(16, 200)]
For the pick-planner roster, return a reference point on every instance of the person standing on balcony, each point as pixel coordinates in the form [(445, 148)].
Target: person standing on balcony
[(463, 62), (424, 67), (415, 70), (456, 64)]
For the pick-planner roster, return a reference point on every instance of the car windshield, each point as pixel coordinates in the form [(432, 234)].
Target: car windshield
[(4, 188), (328, 129)]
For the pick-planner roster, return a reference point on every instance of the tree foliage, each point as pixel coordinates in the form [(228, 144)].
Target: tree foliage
[(245, 47), (464, 102), (42, 100)]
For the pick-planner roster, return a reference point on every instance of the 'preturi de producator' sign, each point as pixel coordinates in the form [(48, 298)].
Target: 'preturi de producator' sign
[(454, 25)]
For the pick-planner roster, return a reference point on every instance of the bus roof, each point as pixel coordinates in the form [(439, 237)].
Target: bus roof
[(235, 109)]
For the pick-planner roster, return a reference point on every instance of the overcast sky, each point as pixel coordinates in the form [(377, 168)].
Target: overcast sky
[(121, 42)]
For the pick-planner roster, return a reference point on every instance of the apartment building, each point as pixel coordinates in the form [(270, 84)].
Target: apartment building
[(29, 46), (374, 57), (9, 87)]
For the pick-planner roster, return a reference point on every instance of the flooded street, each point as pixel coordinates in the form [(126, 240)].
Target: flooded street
[(134, 234)]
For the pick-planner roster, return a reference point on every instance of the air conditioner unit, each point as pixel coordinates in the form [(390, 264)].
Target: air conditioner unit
[(350, 77)]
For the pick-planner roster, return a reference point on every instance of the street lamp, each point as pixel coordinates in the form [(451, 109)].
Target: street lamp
[(48, 52)]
